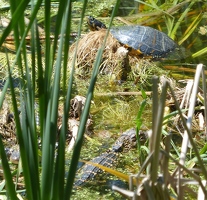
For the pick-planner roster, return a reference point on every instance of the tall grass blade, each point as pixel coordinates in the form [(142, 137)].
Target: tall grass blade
[(191, 109), (157, 129), (81, 130), (20, 138), (200, 52), (186, 126), (52, 100), (7, 173), (6, 169), (180, 20), (191, 28), (59, 175), (154, 111), (17, 13), (23, 137), (154, 6), (138, 126), (85, 114), (111, 171)]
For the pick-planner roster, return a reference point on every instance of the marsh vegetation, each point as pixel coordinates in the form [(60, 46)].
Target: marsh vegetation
[(39, 76)]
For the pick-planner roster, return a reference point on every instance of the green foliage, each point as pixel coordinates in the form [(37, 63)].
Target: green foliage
[(40, 83), (138, 126)]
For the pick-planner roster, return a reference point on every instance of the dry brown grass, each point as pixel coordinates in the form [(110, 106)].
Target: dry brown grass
[(88, 46), (115, 58)]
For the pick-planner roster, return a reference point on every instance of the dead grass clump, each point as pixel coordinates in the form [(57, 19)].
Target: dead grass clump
[(114, 59)]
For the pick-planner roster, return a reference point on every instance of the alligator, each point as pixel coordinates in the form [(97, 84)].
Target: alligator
[(126, 141)]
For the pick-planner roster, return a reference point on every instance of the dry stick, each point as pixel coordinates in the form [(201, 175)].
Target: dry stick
[(165, 163), (190, 113), (121, 93), (126, 193), (205, 98), (195, 177), (187, 130), (187, 93), (158, 112), (200, 191), (178, 68), (191, 110), (132, 178)]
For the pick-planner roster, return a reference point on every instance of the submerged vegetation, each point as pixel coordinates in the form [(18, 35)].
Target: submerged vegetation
[(40, 78)]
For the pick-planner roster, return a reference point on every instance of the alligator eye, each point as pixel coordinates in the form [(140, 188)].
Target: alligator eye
[(133, 138), (117, 148)]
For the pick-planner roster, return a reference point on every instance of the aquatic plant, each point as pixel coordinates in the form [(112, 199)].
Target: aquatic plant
[(41, 82), (44, 173)]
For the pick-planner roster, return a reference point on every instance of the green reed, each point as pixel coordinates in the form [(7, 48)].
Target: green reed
[(44, 173)]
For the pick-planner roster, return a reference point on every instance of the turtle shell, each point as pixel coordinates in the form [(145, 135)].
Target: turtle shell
[(143, 41)]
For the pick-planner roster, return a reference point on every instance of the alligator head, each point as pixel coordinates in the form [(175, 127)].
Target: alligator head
[(126, 141)]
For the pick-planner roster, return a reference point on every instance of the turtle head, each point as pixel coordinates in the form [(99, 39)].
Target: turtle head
[(95, 24)]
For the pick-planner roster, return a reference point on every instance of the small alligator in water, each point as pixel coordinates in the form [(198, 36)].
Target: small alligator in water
[(126, 141)]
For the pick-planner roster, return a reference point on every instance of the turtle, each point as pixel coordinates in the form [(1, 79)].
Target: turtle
[(95, 24), (142, 41)]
